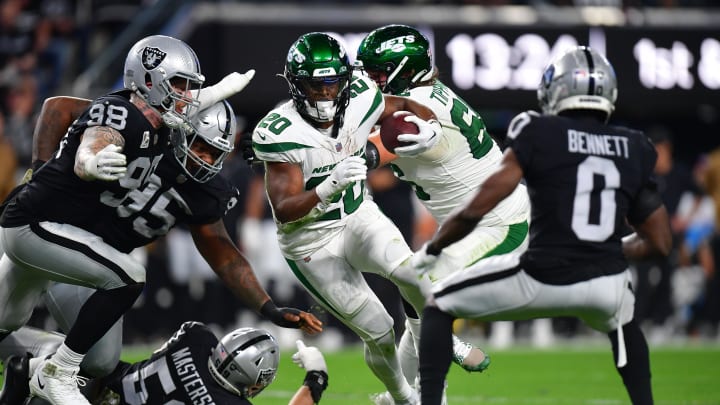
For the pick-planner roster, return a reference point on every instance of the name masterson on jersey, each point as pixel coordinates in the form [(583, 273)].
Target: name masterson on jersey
[(192, 382)]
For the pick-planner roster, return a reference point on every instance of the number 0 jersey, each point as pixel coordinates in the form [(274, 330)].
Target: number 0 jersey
[(177, 373), (450, 173), (132, 211), (285, 136), (584, 178)]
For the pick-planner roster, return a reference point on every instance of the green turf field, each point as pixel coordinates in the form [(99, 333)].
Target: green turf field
[(570, 375), (528, 376)]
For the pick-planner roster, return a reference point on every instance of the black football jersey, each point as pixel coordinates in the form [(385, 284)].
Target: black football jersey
[(177, 373), (583, 178), (168, 199), (152, 198), (57, 194)]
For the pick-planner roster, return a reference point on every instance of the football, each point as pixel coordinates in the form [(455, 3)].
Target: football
[(394, 125)]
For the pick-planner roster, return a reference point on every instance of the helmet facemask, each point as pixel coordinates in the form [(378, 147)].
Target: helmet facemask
[(202, 146), (320, 98), (396, 57)]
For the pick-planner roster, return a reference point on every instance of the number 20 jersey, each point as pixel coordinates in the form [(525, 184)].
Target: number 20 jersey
[(583, 178), (285, 136)]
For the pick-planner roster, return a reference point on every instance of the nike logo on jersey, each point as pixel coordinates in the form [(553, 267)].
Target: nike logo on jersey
[(40, 384)]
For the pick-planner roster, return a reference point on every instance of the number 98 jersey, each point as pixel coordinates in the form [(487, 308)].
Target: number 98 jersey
[(57, 194)]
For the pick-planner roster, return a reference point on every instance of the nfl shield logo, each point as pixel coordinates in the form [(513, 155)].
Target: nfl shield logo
[(338, 147), (151, 57)]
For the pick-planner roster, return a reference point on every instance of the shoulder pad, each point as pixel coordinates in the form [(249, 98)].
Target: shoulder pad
[(519, 122)]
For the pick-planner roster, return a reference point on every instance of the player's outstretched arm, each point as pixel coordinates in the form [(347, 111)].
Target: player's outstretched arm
[(316, 378), (495, 189), (215, 245)]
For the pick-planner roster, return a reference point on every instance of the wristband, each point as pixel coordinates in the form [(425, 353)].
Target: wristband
[(269, 309), (372, 156), (316, 381), (277, 315), (431, 251)]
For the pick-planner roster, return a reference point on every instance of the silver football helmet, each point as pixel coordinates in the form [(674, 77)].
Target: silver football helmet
[(245, 361), (210, 133), (156, 63), (579, 79)]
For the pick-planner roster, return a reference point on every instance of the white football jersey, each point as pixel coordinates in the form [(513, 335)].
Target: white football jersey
[(284, 136), (449, 174)]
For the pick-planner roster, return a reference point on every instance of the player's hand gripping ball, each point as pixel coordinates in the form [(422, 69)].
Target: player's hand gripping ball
[(394, 125)]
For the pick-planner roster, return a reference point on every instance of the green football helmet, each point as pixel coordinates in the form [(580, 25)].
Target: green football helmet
[(397, 57), (318, 72)]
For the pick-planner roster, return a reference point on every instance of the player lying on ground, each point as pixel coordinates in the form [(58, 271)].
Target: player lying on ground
[(192, 367)]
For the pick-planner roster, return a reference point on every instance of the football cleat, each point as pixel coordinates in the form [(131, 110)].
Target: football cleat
[(384, 398), (469, 357), (58, 385), (15, 388)]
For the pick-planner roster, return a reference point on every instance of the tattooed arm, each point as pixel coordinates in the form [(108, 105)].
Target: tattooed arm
[(55, 117), (98, 156)]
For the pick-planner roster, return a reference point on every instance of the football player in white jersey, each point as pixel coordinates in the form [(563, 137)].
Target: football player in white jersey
[(445, 170), (329, 230)]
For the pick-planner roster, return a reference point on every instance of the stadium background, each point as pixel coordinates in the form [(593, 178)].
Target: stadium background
[(666, 54)]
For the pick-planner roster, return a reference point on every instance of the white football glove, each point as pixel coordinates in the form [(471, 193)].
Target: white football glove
[(228, 86), (309, 358), (107, 165), (428, 136), (422, 261), (348, 171)]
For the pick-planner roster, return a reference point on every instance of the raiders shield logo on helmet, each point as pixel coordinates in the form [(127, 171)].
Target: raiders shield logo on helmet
[(152, 57)]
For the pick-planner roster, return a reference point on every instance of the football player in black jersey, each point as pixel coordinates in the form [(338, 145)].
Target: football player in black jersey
[(184, 189), (85, 211), (193, 367), (587, 181)]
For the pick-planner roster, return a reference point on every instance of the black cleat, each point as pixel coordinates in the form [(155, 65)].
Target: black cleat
[(15, 389)]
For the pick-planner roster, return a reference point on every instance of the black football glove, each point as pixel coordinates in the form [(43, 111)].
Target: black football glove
[(277, 315), (246, 148)]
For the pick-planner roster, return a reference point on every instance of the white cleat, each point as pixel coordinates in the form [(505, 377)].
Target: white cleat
[(384, 398), (57, 385)]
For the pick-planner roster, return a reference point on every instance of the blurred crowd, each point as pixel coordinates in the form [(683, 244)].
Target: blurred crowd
[(44, 44)]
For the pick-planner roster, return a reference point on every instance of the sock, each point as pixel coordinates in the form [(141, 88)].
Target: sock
[(99, 314), (33, 364), (636, 373), (435, 354), (66, 358), (408, 349)]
